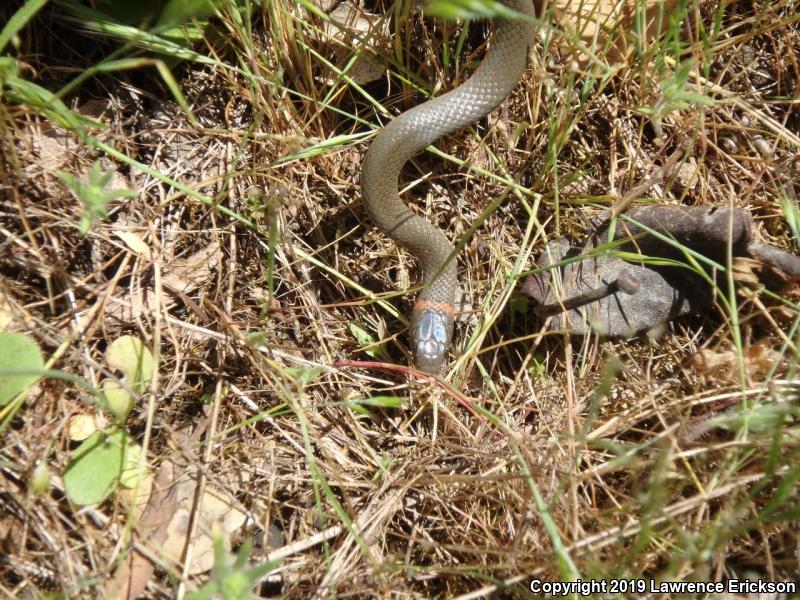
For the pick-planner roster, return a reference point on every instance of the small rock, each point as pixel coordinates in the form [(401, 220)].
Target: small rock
[(762, 146), (728, 145)]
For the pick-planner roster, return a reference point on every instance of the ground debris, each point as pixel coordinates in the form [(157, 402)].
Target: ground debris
[(591, 291)]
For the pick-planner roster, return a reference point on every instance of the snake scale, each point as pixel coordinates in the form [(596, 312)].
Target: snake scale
[(408, 134)]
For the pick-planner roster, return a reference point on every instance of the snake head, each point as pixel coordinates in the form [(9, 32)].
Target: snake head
[(431, 332)]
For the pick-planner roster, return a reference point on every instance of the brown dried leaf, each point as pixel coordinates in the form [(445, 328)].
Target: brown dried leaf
[(722, 365), (81, 426), (217, 513), (134, 242), (182, 276), (595, 19), (47, 146), (714, 362), (5, 312), (325, 5), (131, 578), (350, 17), (348, 24), (137, 498), (745, 271)]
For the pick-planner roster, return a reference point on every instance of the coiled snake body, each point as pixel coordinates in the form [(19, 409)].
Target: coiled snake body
[(408, 134)]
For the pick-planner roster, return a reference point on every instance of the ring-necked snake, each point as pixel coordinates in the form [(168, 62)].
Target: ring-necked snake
[(408, 134)]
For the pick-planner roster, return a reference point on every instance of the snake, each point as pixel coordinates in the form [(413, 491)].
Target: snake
[(432, 318)]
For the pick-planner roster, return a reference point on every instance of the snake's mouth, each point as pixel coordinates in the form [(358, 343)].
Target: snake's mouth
[(431, 332)]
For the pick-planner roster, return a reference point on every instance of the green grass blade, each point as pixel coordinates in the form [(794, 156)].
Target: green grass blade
[(18, 20)]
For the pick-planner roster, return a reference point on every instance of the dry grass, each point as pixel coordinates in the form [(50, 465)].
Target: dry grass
[(588, 458)]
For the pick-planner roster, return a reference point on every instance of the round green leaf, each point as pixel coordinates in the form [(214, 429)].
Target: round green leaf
[(120, 402), (20, 354), (131, 356), (130, 470), (96, 467)]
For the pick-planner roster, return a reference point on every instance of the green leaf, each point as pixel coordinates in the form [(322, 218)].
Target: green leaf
[(471, 9), (19, 359), (536, 367), (97, 465), (97, 21), (141, 12), (368, 344), (8, 70), (758, 418), (379, 401), (360, 410), (18, 20), (360, 406), (303, 375), (785, 490), (320, 148), (178, 12), (120, 402), (232, 578), (131, 356), (130, 476), (42, 101), (236, 586), (259, 571), (175, 89), (92, 194), (792, 215)]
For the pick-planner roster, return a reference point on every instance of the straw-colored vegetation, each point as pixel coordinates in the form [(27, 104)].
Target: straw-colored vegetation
[(187, 180)]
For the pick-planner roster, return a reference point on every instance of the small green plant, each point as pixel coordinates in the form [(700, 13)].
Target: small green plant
[(20, 363), (676, 93), (303, 375), (93, 194), (370, 346), (232, 578), (110, 457)]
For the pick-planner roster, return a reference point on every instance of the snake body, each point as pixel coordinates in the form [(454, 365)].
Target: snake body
[(408, 134)]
